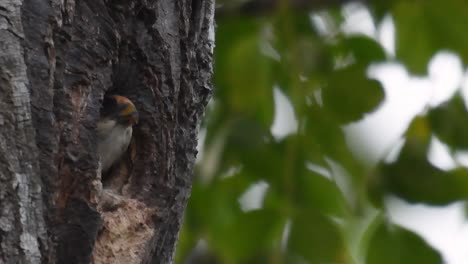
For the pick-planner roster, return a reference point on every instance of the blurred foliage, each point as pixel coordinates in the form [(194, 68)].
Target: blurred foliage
[(393, 245), (320, 203)]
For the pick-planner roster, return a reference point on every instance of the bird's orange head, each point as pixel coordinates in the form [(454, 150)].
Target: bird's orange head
[(120, 108)]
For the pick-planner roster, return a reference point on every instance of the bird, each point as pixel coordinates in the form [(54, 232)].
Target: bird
[(114, 128)]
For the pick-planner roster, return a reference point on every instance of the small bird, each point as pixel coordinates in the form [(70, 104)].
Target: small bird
[(114, 128)]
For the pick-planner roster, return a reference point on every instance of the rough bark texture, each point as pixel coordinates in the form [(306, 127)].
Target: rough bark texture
[(22, 228), (60, 58)]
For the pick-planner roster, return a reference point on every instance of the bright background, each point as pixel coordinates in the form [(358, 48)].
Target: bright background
[(305, 158)]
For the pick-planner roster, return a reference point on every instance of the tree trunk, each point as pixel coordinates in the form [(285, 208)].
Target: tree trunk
[(58, 58)]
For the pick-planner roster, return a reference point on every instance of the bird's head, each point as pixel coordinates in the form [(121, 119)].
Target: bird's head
[(121, 109)]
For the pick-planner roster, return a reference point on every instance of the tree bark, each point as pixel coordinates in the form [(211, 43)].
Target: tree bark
[(58, 59)]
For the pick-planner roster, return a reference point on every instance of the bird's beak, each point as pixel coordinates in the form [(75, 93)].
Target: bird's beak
[(133, 118)]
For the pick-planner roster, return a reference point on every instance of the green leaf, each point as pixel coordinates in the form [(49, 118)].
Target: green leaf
[(414, 179), (450, 123), (425, 27), (251, 145), (244, 77), (288, 27), (234, 36), (379, 9), (324, 138), (350, 94), (394, 245), (324, 135), (306, 56), (319, 193), (363, 49), (316, 239), (206, 214), (187, 241), (249, 234)]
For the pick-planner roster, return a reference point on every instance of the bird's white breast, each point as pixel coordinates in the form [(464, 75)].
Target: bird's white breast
[(113, 142)]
